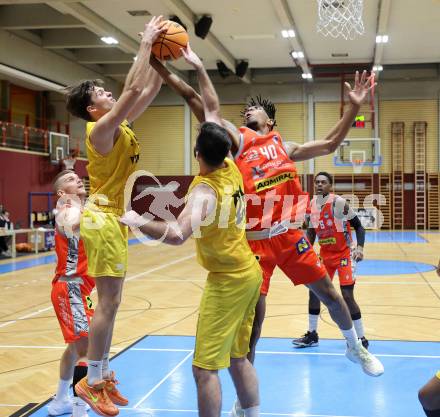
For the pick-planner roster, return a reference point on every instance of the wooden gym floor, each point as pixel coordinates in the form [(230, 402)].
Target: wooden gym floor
[(399, 301)]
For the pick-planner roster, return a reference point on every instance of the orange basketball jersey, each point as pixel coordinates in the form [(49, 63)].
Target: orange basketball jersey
[(270, 179), (71, 259), (334, 234)]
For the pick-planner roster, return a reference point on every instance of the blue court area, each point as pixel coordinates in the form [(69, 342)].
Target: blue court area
[(364, 268), (44, 259), (394, 236), (385, 267), (156, 375)]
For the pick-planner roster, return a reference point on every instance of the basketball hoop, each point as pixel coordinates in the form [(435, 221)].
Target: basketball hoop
[(340, 18), (357, 165)]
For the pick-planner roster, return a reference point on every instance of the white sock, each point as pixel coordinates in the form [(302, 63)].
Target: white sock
[(79, 407), (351, 337), (94, 372), (63, 389), (252, 411), (359, 326), (106, 372), (313, 322)]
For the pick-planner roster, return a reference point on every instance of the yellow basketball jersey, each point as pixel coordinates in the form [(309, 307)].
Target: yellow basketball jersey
[(109, 173), (222, 245)]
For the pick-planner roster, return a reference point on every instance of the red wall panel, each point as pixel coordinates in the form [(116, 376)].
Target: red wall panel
[(21, 173)]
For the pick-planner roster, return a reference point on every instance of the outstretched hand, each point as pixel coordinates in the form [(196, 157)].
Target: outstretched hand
[(154, 28), (191, 57), (359, 93)]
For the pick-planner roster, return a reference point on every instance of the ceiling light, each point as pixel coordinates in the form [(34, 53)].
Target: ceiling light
[(288, 33), (307, 76), (135, 58), (377, 68), (109, 40), (296, 55), (382, 39)]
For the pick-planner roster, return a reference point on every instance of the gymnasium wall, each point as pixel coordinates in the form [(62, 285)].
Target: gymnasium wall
[(21, 172), (409, 111), (161, 132)]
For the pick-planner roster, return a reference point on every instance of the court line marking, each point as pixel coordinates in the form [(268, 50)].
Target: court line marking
[(261, 352), (12, 405), (288, 282), (26, 316), (163, 380), (131, 278), (146, 410)]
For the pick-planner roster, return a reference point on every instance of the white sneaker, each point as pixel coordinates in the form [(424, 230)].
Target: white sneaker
[(237, 411), (58, 407), (370, 364)]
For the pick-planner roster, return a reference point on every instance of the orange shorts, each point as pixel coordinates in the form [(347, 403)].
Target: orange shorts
[(292, 253), (341, 262), (73, 306)]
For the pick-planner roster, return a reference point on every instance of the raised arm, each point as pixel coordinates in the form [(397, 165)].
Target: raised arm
[(184, 90), (210, 100), (200, 205), (107, 127), (330, 143), (150, 91)]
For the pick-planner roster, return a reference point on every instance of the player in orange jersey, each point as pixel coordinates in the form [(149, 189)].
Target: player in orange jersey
[(330, 219), (274, 204), (71, 289)]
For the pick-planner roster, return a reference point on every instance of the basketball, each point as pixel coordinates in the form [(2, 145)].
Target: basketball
[(168, 44)]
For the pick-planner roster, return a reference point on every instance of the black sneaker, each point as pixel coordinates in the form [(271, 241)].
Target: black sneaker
[(365, 343), (308, 340)]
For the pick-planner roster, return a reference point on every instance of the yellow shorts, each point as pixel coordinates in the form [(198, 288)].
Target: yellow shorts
[(106, 243), (437, 374), (226, 317)]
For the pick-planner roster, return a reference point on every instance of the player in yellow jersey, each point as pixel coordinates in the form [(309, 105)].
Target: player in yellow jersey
[(112, 151), (215, 214)]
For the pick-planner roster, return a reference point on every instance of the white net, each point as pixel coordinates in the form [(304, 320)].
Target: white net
[(340, 18), (357, 166)]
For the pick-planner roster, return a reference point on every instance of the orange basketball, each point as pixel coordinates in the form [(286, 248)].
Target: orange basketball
[(168, 44)]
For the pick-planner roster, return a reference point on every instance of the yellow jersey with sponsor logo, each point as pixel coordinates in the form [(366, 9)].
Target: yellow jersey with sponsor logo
[(221, 243), (271, 182), (109, 173)]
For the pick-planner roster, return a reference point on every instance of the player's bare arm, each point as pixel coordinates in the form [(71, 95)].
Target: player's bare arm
[(193, 99), (149, 93), (201, 203), (183, 89), (211, 103), (357, 96), (106, 129)]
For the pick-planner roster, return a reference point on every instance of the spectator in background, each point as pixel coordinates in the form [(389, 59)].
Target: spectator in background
[(69, 161), (5, 223)]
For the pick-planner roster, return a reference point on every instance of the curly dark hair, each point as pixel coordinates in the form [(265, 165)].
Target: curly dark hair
[(325, 174), (79, 97), (264, 103)]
